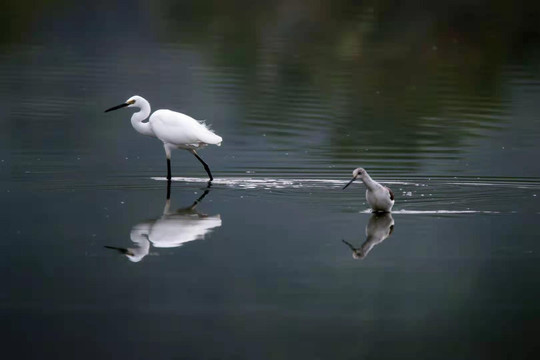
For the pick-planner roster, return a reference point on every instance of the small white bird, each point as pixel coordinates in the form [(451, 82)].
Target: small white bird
[(175, 130), (379, 227), (379, 197)]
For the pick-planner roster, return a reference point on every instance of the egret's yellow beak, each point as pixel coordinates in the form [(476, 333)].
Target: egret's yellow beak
[(117, 107), (131, 102)]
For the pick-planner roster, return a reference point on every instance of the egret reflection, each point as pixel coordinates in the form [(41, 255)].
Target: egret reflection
[(172, 229), (379, 227)]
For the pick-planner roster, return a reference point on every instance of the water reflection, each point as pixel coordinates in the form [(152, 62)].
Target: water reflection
[(421, 88), (379, 227), (172, 229)]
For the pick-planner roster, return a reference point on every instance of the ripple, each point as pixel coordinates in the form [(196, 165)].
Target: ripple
[(494, 182), (427, 196), (429, 212), (270, 183)]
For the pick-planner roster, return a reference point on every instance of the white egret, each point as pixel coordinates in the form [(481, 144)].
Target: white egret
[(380, 198), (171, 229), (175, 130)]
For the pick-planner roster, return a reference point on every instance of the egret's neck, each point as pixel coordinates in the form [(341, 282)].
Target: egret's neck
[(137, 118), (167, 208)]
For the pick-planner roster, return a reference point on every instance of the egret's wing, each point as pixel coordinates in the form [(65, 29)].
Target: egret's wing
[(180, 129), (175, 231)]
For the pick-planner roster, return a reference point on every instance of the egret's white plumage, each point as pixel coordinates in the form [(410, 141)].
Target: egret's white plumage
[(380, 198), (174, 129), (172, 229), (181, 131)]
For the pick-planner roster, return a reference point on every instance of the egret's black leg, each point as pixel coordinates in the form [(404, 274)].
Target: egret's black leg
[(199, 199), (168, 169), (168, 190), (204, 164)]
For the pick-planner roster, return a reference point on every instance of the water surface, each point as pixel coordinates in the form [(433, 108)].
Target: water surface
[(273, 260)]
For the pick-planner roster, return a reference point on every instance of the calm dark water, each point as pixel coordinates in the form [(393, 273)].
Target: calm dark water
[(440, 102)]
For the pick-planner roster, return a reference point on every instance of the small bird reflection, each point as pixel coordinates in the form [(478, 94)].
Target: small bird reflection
[(379, 227), (172, 229)]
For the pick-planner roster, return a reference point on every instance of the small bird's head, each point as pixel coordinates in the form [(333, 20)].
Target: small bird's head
[(358, 173), (132, 101)]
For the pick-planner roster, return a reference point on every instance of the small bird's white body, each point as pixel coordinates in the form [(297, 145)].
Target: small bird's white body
[(379, 198), (379, 227)]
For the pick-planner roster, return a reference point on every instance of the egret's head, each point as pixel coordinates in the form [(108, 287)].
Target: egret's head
[(133, 257), (358, 173), (132, 101)]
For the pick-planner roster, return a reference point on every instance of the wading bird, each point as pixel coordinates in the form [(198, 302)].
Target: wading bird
[(379, 197), (175, 130), (171, 229), (379, 227)]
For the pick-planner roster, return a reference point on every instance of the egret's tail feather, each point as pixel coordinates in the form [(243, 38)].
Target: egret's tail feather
[(213, 139)]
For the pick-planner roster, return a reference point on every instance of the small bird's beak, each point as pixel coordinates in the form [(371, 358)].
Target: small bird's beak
[(117, 107), (349, 183)]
